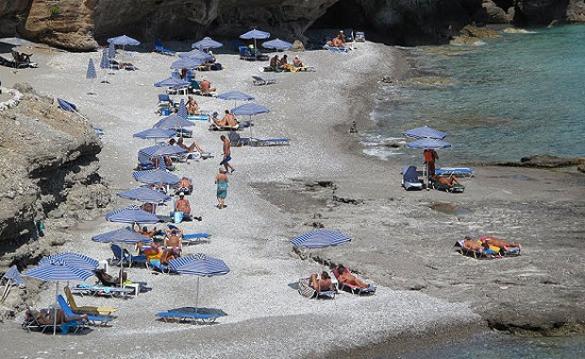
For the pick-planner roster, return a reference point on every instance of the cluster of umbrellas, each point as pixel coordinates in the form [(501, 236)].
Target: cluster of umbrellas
[(275, 44)]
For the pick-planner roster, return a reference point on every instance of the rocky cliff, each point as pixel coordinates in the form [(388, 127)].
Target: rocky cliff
[(77, 24), (48, 172)]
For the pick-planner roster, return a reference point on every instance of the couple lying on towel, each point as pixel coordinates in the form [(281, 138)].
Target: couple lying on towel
[(489, 246)]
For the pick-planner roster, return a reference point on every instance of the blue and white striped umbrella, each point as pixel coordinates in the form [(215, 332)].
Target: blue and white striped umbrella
[(428, 144), (320, 238), (123, 235), (13, 275), (425, 132), (105, 62), (56, 271), (277, 44), (172, 82), (207, 43), (144, 194), (200, 265), (182, 111), (162, 149), (111, 51), (155, 133), (131, 214), (90, 74), (156, 176), (73, 260), (173, 121), (123, 40), (196, 55)]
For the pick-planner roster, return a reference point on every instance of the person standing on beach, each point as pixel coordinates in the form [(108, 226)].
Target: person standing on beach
[(227, 154), (429, 157), (222, 186)]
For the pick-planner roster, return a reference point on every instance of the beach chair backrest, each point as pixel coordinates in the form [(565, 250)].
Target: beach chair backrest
[(70, 298), (410, 174), (117, 250), (65, 307)]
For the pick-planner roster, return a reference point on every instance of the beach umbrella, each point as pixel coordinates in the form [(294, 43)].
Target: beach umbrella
[(73, 260), (132, 215), (425, 132), (250, 109), (255, 35), (15, 41), (196, 55), (57, 271), (172, 82), (235, 96), (122, 235), (91, 75), (320, 238), (182, 111), (199, 265), (162, 149), (186, 63), (207, 43), (13, 275), (277, 44), (156, 176), (123, 40), (144, 194), (155, 133), (428, 144), (173, 121), (105, 64)]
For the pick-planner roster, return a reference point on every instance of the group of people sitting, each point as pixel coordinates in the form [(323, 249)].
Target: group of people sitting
[(228, 121), (489, 246), (157, 253), (338, 41), (343, 275), (281, 64)]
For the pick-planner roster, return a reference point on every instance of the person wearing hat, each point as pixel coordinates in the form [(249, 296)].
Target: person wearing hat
[(222, 186), (182, 205)]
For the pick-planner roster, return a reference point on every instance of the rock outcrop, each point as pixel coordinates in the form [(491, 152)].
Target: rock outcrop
[(76, 24), (48, 171)]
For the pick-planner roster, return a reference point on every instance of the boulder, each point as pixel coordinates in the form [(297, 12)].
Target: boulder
[(495, 14)]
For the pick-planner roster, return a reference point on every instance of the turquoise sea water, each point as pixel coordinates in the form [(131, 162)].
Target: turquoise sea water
[(518, 95)]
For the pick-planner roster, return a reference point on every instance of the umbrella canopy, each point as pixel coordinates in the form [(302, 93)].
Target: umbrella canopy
[(172, 82), (173, 121), (57, 270), (425, 132), (250, 109), (196, 55), (91, 73), (187, 63), (428, 144), (199, 264), (123, 235), (111, 51), (155, 133), (104, 61), (13, 275), (156, 176), (235, 95), (207, 43), (255, 35), (15, 41), (144, 194), (162, 149), (277, 44), (320, 238), (182, 111), (132, 214), (73, 260), (123, 40)]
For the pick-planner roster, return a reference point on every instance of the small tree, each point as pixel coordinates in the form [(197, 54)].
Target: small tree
[(54, 11)]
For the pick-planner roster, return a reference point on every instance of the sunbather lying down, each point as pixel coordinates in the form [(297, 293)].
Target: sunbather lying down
[(109, 281), (346, 277), (45, 316), (490, 246)]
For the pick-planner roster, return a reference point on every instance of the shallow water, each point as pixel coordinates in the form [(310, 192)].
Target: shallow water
[(518, 95)]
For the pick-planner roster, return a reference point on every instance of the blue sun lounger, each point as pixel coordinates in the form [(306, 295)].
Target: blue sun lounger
[(194, 237), (183, 316), (125, 258), (73, 324), (161, 49), (455, 171), (336, 50), (100, 290), (91, 318), (410, 180)]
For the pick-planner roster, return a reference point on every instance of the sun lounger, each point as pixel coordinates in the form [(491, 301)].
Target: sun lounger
[(201, 117), (307, 291), (190, 314), (410, 180), (351, 288), (455, 188), (194, 237), (122, 257), (214, 127), (269, 142), (454, 171), (92, 319), (336, 50), (259, 81), (86, 309), (159, 47), (101, 290), (31, 323)]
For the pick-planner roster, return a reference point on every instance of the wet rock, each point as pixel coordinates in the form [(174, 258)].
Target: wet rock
[(548, 161), (347, 200), (495, 14), (472, 36)]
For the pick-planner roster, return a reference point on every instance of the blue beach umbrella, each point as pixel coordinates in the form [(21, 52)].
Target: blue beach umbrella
[(73, 260), (172, 82), (255, 35), (13, 275), (104, 61), (199, 265), (173, 121), (277, 44), (250, 109), (207, 43), (320, 238), (156, 176), (182, 111), (122, 235), (131, 214), (235, 96), (428, 144), (123, 40), (144, 194), (91, 73), (186, 63), (56, 271), (196, 54), (111, 51), (425, 132), (154, 134), (162, 149)]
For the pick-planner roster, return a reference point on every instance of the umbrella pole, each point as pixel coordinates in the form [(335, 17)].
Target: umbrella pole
[(251, 128), (55, 309), (197, 296)]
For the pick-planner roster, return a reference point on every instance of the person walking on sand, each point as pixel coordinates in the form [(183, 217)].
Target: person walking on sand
[(227, 154), (222, 186)]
